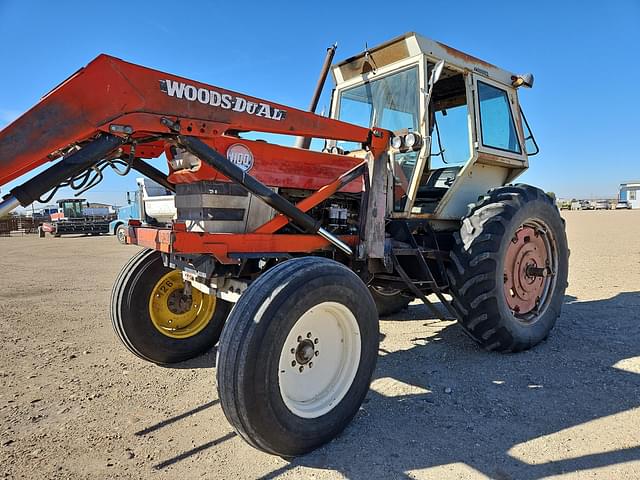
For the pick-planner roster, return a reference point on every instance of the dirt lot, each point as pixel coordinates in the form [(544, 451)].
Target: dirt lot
[(75, 404)]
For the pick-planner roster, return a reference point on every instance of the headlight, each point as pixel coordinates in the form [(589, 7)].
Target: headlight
[(396, 142), (412, 141)]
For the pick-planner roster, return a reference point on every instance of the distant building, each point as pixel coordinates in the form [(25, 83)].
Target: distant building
[(630, 192), (110, 209)]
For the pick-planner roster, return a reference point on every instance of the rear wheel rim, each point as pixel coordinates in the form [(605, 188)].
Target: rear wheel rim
[(174, 315), (319, 360), (530, 266), (121, 235)]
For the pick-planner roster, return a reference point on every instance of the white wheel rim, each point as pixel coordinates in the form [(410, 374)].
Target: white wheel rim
[(319, 360)]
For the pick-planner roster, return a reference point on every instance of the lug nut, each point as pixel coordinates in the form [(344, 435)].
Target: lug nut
[(309, 335), (310, 364), (299, 338), (293, 350), (317, 352), (293, 363), (301, 368), (315, 341)]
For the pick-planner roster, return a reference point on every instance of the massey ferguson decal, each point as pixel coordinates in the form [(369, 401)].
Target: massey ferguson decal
[(222, 100)]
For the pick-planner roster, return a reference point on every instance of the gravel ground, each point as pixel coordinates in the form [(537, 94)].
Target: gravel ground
[(75, 404)]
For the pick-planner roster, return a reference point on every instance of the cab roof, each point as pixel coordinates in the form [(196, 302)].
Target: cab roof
[(411, 44)]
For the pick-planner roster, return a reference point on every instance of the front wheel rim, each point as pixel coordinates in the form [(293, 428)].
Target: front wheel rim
[(319, 360), (173, 315)]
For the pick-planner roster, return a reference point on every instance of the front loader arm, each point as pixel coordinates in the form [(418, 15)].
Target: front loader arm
[(128, 100), (112, 110)]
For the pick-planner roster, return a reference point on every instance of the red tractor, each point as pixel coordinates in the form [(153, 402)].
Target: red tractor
[(285, 257)]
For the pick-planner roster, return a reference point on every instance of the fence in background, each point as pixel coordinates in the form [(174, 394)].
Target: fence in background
[(19, 224)]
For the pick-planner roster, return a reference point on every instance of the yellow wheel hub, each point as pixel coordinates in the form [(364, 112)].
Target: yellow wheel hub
[(176, 315)]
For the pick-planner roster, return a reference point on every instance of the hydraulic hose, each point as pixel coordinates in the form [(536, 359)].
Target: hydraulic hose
[(69, 166)]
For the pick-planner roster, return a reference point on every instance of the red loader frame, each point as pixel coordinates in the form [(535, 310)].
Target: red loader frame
[(112, 109)]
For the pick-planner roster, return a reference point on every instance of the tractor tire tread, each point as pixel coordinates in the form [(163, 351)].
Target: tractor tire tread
[(474, 258)]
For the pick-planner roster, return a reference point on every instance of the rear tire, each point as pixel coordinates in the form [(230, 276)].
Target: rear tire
[(512, 230), (142, 299), (297, 355), (388, 301)]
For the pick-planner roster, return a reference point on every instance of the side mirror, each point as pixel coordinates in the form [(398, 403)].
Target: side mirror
[(435, 73), (435, 76)]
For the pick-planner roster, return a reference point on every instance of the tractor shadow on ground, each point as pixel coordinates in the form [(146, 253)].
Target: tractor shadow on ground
[(206, 360), (444, 401), (175, 418)]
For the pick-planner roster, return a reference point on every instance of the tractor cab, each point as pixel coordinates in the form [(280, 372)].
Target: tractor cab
[(70, 208), (458, 128)]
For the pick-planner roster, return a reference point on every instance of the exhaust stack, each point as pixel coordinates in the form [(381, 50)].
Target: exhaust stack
[(305, 142)]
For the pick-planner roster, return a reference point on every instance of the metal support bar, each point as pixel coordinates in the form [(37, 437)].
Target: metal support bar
[(153, 173), (437, 290), (335, 240), (376, 210), (8, 204), (208, 155), (416, 291)]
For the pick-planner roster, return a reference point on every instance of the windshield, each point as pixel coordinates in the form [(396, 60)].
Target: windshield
[(392, 103), (389, 102), (71, 209)]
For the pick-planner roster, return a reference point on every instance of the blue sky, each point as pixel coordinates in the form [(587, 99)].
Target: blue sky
[(584, 108)]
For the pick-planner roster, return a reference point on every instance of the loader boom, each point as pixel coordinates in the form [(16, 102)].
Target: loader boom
[(116, 97), (114, 110)]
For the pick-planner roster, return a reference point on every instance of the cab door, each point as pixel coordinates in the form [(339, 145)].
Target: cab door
[(499, 137)]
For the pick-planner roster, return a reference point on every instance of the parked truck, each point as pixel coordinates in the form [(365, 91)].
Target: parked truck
[(150, 203)]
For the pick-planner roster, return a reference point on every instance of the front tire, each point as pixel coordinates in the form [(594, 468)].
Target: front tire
[(297, 355), (155, 321), (509, 268), (121, 234)]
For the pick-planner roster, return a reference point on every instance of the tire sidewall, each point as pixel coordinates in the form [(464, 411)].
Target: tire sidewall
[(289, 432), (146, 339)]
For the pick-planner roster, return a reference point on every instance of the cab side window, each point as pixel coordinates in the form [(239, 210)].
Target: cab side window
[(496, 119)]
